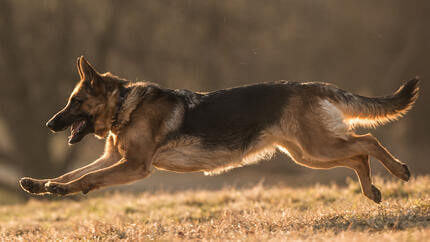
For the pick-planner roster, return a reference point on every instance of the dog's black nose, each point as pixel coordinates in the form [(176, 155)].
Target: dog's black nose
[(50, 124)]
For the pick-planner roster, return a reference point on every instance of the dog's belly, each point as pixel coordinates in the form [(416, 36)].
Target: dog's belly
[(193, 158), (188, 155)]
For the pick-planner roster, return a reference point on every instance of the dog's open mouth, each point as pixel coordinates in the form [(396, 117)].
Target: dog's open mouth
[(78, 131)]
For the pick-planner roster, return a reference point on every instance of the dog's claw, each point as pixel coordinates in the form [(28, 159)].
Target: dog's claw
[(56, 188)]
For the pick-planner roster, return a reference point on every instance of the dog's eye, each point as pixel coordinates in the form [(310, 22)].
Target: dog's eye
[(76, 101)]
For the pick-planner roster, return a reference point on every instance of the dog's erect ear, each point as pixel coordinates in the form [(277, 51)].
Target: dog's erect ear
[(88, 74), (86, 71), (78, 66)]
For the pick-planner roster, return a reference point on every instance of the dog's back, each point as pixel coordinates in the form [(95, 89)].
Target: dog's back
[(234, 118)]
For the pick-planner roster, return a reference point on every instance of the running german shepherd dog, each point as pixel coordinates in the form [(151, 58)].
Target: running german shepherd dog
[(178, 130)]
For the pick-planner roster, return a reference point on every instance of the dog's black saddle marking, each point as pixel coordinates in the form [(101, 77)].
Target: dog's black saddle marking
[(235, 117)]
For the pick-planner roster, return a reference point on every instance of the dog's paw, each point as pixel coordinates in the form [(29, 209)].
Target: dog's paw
[(32, 186), (376, 194), (56, 188), (406, 174)]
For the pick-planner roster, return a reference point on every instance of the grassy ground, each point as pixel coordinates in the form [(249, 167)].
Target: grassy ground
[(259, 213)]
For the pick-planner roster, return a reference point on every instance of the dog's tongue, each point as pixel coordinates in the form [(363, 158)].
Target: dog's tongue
[(74, 130), (76, 126)]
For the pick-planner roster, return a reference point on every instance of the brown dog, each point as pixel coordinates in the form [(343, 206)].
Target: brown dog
[(183, 131)]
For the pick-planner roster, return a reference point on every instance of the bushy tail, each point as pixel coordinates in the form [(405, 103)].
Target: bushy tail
[(365, 111)]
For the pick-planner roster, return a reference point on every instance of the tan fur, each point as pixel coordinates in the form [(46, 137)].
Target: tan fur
[(188, 155), (334, 119)]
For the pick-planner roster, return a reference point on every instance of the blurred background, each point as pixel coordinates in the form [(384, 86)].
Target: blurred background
[(367, 47)]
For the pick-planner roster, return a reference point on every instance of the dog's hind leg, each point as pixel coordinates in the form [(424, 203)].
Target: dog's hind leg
[(377, 150), (354, 145), (333, 151), (359, 163), (110, 157), (332, 138)]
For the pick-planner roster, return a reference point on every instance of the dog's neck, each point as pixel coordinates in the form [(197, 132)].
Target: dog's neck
[(122, 95), (128, 100)]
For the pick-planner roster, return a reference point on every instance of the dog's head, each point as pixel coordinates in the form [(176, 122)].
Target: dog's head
[(89, 107)]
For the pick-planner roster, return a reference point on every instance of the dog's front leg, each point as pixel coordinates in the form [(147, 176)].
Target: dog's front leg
[(125, 171), (37, 186), (110, 157)]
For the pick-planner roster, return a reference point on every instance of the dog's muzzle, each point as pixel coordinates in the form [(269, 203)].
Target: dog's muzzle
[(57, 123)]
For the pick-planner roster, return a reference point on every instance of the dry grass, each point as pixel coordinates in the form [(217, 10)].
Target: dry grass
[(259, 213)]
